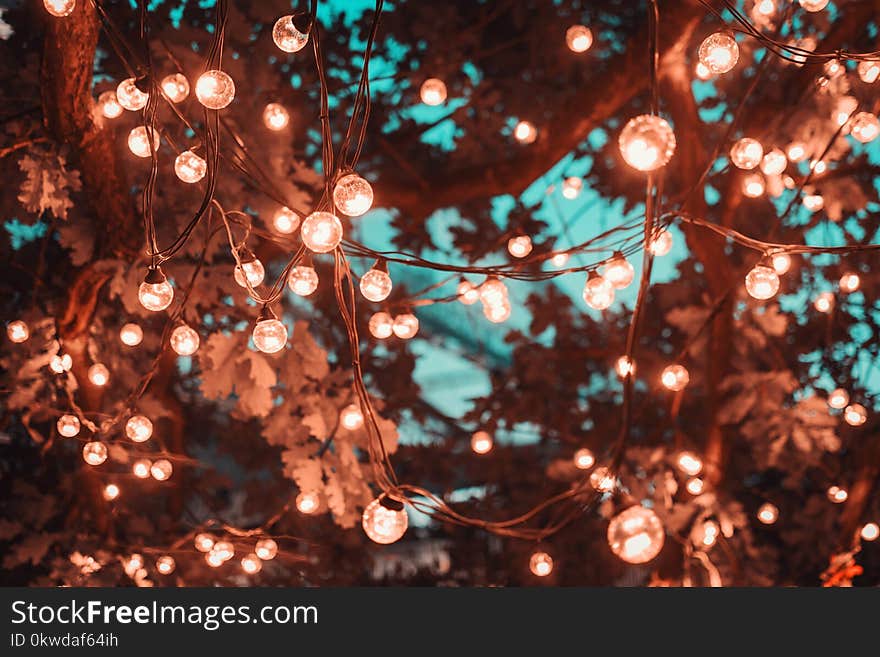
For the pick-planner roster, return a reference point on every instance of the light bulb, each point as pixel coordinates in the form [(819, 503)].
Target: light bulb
[(718, 52), (838, 398), (797, 152), (710, 531), (155, 293), (843, 109), (525, 132), (541, 564), (602, 480), (781, 263), (204, 542), (497, 313), (636, 535), (133, 564), (813, 5), (68, 425), (579, 38), (224, 549), (774, 162), (433, 92), (849, 282), (175, 87), (624, 367), (111, 492), (870, 531), (493, 291), (762, 282), (59, 8), (468, 293), (251, 564), (139, 428), (266, 549), (768, 513), (869, 71), (129, 96), (141, 468), (824, 303), (814, 202), (252, 269), (833, 69), (214, 559), (689, 463), (99, 375), (519, 246), (746, 153), (270, 335), (184, 340), (481, 442), (694, 486), (584, 459), (321, 232), (855, 415), (285, 221), (381, 325), (161, 469), (765, 7), (646, 142), (17, 331), (303, 280), (376, 284), (837, 494), (598, 292), (215, 89), (61, 363), (753, 185), (385, 520), (165, 564), (131, 334), (189, 167), (351, 417), (276, 117), (864, 127), (307, 502), (405, 326), (287, 37), (702, 71), (571, 187), (675, 377), (352, 195), (94, 453), (109, 106), (560, 259), (139, 141), (619, 272)]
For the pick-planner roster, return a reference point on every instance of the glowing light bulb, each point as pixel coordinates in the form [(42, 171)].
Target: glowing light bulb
[(869, 71), (165, 564), (481, 442), (768, 513), (525, 132), (774, 162), (753, 185), (321, 232), (266, 549), (541, 564), (94, 453), (865, 127), (746, 153), (870, 531), (624, 367), (385, 520), (351, 417), (710, 531), (497, 313), (129, 96), (270, 335), (493, 291), (762, 282), (579, 38), (675, 377), (285, 221), (139, 428), (214, 559), (602, 480), (571, 187), (215, 89), (287, 37), (352, 195), (797, 152), (276, 117), (619, 272), (837, 494), (307, 502), (133, 564), (695, 486), (161, 469), (59, 8), (303, 280), (68, 425), (584, 459), (17, 331), (849, 282), (155, 293), (204, 542), (781, 263), (251, 564), (844, 107), (175, 87), (813, 5), (813, 202), (467, 292), (824, 303), (131, 334), (224, 549), (661, 244), (838, 398), (689, 463), (646, 142), (855, 415), (598, 292), (702, 71), (381, 325), (189, 167), (184, 340), (111, 492), (519, 246), (560, 259), (109, 106), (636, 535), (433, 92), (376, 283), (61, 363), (719, 52), (99, 375), (249, 271), (765, 7), (405, 326), (139, 141)]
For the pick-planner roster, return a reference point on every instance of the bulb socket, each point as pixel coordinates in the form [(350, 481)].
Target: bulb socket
[(154, 276), (266, 313), (143, 83), (245, 255), (302, 21), (380, 265), (391, 503)]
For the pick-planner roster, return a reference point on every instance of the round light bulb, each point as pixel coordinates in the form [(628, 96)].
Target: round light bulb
[(774, 162), (497, 313), (175, 87), (214, 559), (61, 363), (94, 453), (251, 271), (131, 334), (139, 141), (381, 325), (99, 375), (189, 167), (838, 398), (855, 415), (165, 564), (60, 8), (519, 246), (352, 195), (156, 296), (602, 480), (584, 459), (285, 221), (598, 292), (746, 153), (797, 152), (702, 71), (689, 463), (560, 259), (17, 331), (694, 486), (541, 564), (813, 5), (68, 425), (375, 285), (139, 428), (849, 282), (433, 92), (837, 494), (870, 531), (753, 185), (184, 340), (110, 107), (781, 263), (675, 377), (619, 272), (814, 202), (765, 7), (762, 282), (287, 37), (215, 89), (869, 71), (768, 513), (351, 417), (710, 531), (624, 367), (129, 96), (303, 280), (224, 549), (571, 187), (307, 502), (405, 326), (647, 142), (468, 293), (864, 127), (111, 492), (266, 549), (578, 38), (636, 535), (204, 542), (718, 52), (382, 524), (321, 232), (270, 335), (525, 132), (481, 442), (161, 469), (251, 564), (276, 117), (824, 303), (493, 292)]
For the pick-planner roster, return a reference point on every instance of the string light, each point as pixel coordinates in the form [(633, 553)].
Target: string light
[(525, 132), (838, 398), (287, 37), (276, 117), (94, 452), (519, 246), (133, 564), (774, 162), (598, 292), (215, 89), (251, 564), (351, 417), (17, 331), (661, 244), (224, 549), (541, 564), (139, 428), (865, 127), (849, 282), (385, 520), (130, 96), (636, 535), (481, 442), (560, 259), (837, 494), (109, 106), (624, 366), (762, 282), (813, 5), (269, 335), (619, 272), (99, 375), (824, 303), (843, 108), (250, 271), (60, 8), (405, 326), (571, 187), (175, 87), (675, 377), (266, 549), (139, 141), (579, 38), (602, 480), (746, 153), (161, 469), (376, 284), (467, 292), (165, 564), (285, 220), (689, 463), (813, 202), (352, 195), (694, 486), (131, 334), (753, 185), (111, 492), (497, 313), (433, 92), (718, 52), (68, 425), (214, 559), (646, 142), (870, 531), (869, 71), (184, 340), (855, 415), (61, 363), (303, 280), (381, 325), (702, 71), (321, 232), (204, 542), (765, 7), (584, 459), (781, 263), (189, 167), (141, 468), (155, 293), (307, 502), (797, 152), (768, 513)]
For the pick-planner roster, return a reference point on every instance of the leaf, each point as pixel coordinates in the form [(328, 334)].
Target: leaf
[(307, 474), (79, 238), (31, 549), (48, 184), (771, 320), (218, 360)]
